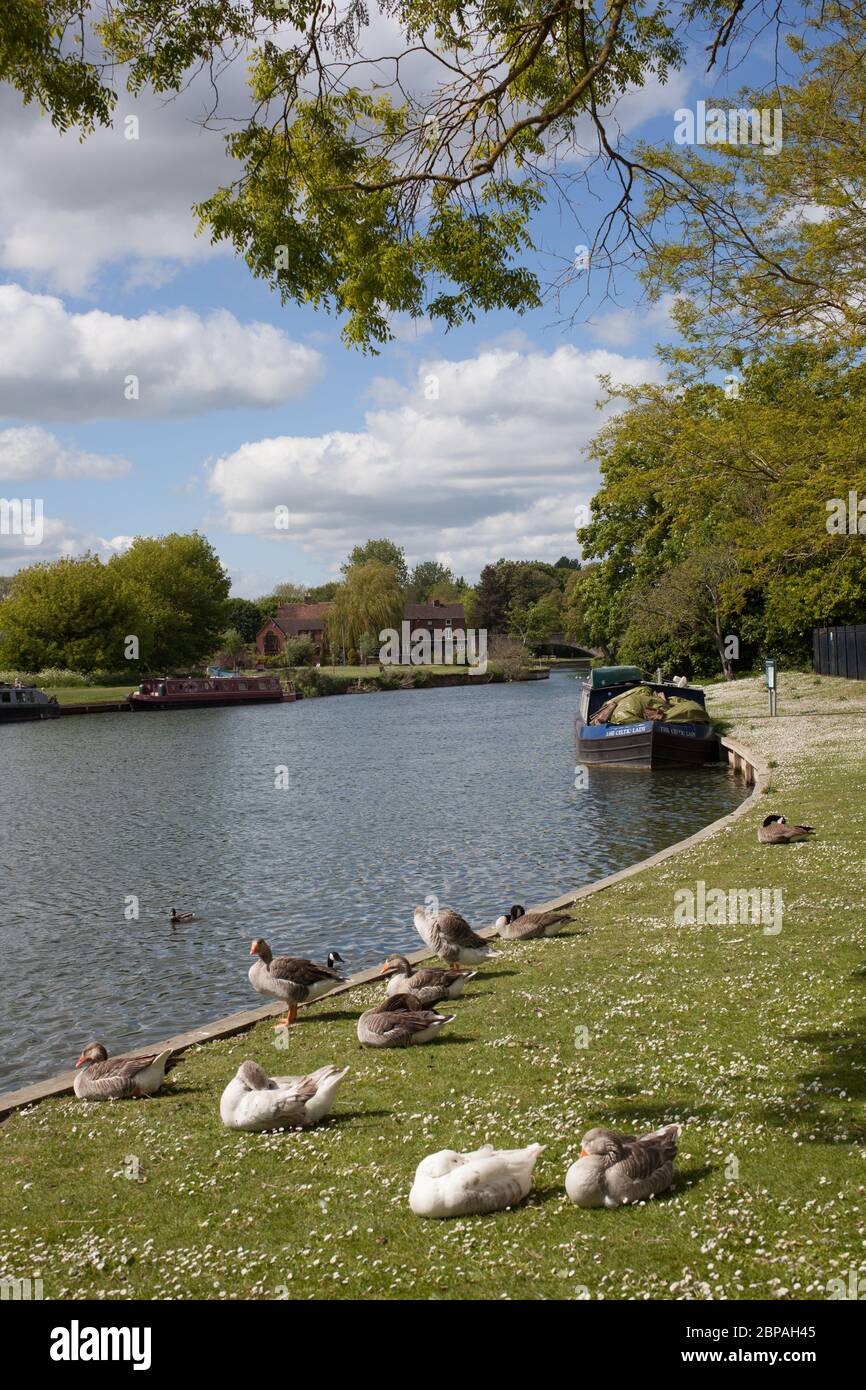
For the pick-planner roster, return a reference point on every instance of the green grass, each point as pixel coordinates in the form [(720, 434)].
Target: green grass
[(90, 694), (755, 1043)]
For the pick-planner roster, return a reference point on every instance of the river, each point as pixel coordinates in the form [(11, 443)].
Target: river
[(467, 794)]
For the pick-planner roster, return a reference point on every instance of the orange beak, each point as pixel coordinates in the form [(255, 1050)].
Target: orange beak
[(386, 969), (584, 1154), (80, 1061), (254, 950)]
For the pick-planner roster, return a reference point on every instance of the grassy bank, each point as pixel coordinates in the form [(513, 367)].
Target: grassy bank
[(89, 694), (754, 1042)]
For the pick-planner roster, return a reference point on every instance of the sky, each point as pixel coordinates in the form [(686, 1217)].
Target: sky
[(241, 405)]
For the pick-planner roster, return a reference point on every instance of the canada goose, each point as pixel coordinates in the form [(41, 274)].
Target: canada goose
[(451, 937), (429, 984), (254, 1101), (400, 1021), (104, 1078), (775, 830), (520, 925), (290, 978), (453, 1184), (617, 1169)]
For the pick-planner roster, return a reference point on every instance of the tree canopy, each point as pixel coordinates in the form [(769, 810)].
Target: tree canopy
[(394, 168)]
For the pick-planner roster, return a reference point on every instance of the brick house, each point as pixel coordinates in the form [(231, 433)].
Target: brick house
[(308, 620), (294, 620)]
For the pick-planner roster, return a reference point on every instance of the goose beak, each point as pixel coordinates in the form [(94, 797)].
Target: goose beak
[(81, 1060), (253, 951), (386, 969), (584, 1154)]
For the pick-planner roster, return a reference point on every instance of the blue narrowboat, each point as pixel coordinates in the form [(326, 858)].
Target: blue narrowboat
[(610, 732), (19, 702)]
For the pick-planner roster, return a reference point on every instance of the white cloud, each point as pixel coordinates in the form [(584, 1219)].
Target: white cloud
[(57, 538), (32, 452), (493, 466), (622, 327), (56, 365)]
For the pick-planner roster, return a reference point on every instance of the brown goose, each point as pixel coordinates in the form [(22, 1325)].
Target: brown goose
[(400, 1021), (521, 925), (775, 830), (451, 937), (430, 985), (615, 1170), (119, 1077), (290, 978)]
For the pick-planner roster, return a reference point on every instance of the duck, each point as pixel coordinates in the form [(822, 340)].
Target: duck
[(453, 1184), (520, 925), (616, 1170), (775, 830), (430, 985), (400, 1021), (181, 916), (451, 937), (116, 1078), (254, 1101), (291, 979)]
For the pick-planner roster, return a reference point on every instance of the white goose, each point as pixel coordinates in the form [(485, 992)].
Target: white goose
[(254, 1101), (452, 1184)]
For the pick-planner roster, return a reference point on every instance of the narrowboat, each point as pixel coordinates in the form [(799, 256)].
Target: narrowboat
[(196, 692), (626, 721), (19, 702)]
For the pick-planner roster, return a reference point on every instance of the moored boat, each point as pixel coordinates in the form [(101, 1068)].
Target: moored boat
[(19, 702), (197, 692), (608, 732)]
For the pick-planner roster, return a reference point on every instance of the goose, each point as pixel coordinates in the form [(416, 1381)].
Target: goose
[(254, 1101), (400, 1021), (452, 1184), (430, 985), (119, 1077), (181, 916), (521, 925), (451, 937), (290, 979), (616, 1169), (775, 830)]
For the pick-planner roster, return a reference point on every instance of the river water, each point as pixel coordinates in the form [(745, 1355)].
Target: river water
[(465, 793)]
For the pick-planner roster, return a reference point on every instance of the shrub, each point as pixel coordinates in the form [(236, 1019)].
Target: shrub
[(52, 676), (298, 651)]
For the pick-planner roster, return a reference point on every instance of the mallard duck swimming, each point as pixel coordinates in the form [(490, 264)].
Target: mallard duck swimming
[(400, 1021), (451, 937), (452, 1184), (104, 1078), (521, 925), (181, 916), (429, 985), (775, 830), (615, 1170), (254, 1101), (290, 978)]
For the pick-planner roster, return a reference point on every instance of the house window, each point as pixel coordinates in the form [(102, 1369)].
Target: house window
[(272, 645)]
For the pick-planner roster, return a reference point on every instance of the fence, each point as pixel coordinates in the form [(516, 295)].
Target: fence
[(840, 651)]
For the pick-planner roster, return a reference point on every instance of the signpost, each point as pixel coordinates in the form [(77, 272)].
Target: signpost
[(770, 681)]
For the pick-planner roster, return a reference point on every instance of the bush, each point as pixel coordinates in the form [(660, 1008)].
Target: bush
[(52, 676), (298, 651)]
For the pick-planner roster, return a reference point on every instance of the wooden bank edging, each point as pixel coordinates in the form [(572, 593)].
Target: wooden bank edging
[(745, 763)]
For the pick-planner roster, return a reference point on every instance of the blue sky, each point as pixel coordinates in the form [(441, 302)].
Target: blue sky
[(102, 276)]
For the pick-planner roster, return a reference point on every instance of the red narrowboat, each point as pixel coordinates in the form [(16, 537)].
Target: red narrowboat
[(197, 692)]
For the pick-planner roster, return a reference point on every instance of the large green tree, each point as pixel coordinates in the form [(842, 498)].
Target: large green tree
[(383, 552), (178, 589), (70, 614), (368, 601)]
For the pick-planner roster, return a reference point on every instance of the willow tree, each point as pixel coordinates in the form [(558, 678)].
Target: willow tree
[(367, 602)]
